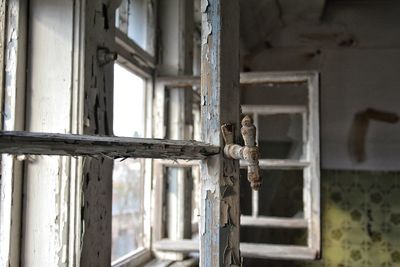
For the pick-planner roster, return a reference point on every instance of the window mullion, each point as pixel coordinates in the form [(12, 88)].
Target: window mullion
[(13, 27)]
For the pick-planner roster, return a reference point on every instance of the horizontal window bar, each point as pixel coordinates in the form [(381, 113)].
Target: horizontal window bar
[(274, 222), (279, 252), (133, 48), (248, 250), (179, 81), (274, 109), (277, 164), (179, 163), (114, 147), (296, 77), (269, 164)]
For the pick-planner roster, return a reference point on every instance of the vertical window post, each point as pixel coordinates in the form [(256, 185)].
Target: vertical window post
[(220, 211)]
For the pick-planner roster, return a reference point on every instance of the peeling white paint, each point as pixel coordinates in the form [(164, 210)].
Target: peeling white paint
[(207, 27)]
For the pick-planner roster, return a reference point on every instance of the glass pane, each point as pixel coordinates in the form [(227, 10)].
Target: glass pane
[(127, 206), (128, 103), (280, 136), (262, 94), (245, 194), (131, 18), (279, 236), (127, 211), (196, 191), (281, 194)]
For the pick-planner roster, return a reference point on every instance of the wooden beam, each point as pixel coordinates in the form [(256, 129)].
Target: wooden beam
[(111, 147), (220, 194), (312, 183)]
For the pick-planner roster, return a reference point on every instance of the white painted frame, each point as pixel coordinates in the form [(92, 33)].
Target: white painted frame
[(13, 43), (309, 163)]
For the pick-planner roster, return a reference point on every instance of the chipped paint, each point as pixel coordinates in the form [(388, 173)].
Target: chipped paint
[(12, 44), (98, 111), (207, 27), (220, 218)]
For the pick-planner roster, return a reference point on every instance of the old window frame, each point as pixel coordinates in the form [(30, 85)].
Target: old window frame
[(143, 254), (310, 165), (162, 86), (141, 62), (113, 147), (13, 44)]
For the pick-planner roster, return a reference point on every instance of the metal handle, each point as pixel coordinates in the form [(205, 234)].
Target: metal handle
[(249, 152)]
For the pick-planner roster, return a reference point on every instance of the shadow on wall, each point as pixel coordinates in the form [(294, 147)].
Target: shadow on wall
[(359, 129), (361, 221)]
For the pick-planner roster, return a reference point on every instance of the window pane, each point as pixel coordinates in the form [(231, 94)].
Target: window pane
[(273, 94), (128, 103), (127, 209), (279, 236), (281, 136), (132, 19), (281, 194)]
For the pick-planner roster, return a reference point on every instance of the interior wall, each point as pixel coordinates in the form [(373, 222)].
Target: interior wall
[(356, 47)]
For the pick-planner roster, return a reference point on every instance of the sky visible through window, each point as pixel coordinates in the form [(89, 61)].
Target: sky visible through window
[(127, 209)]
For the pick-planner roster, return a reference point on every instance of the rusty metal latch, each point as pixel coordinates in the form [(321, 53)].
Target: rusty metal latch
[(249, 152)]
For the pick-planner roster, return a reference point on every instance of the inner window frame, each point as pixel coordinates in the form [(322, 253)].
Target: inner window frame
[(141, 63)]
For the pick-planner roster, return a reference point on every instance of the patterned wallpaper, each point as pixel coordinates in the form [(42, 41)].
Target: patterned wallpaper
[(361, 221)]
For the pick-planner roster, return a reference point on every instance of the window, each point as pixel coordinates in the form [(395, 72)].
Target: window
[(288, 123), (288, 136), (134, 18), (75, 215), (132, 117), (128, 174)]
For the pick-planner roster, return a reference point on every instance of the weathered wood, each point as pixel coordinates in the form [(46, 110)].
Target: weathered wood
[(273, 109), (179, 81), (273, 78), (122, 40), (248, 250), (185, 245), (14, 33), (312, 183), (279, 252), (277, 164), (220, 194), (98, 18), (273, 222), (18, 143), (246, 78), (179, 163)]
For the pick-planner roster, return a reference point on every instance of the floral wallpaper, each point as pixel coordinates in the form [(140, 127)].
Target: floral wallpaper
[(360, 221)]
